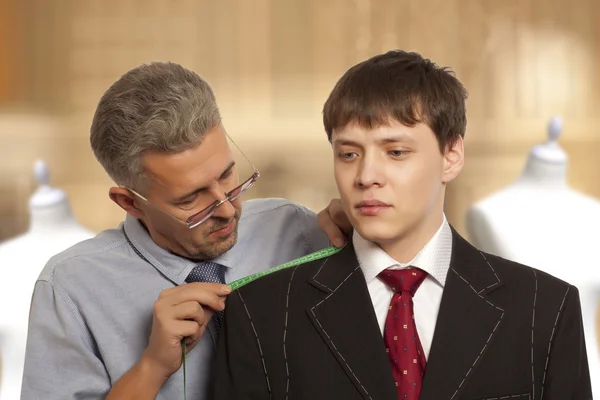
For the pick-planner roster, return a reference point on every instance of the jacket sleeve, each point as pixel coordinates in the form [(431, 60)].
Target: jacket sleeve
[(239, 368), (567, 376)]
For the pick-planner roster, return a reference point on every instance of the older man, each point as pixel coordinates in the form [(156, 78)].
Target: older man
[(96, 327)]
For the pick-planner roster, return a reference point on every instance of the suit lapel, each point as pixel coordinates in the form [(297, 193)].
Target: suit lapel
[(345, 319), (466, 324)]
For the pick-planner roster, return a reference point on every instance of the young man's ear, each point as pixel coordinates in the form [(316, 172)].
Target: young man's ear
[(126, 200), (454, 159)]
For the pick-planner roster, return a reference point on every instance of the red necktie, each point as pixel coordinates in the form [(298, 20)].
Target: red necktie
[(400, 333)]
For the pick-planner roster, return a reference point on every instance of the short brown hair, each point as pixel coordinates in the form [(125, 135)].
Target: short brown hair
[(403, 86)]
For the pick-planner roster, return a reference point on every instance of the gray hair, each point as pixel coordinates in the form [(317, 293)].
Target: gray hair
[(156, 107)]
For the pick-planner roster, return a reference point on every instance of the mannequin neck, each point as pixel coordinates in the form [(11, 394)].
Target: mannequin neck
[(51, 218), (544, 173)]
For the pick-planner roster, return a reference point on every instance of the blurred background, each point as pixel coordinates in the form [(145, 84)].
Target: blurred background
[(272, 64)]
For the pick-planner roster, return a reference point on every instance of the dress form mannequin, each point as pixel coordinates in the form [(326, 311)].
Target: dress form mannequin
[(52, 229), (541, 222)]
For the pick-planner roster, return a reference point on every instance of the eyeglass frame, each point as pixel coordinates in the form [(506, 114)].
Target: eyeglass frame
[(211, 208)]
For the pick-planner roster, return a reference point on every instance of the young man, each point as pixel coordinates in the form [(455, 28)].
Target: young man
[(408, 309), (108, 315)]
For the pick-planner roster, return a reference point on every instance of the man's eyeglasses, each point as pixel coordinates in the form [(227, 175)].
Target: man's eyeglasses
[(203, 215)]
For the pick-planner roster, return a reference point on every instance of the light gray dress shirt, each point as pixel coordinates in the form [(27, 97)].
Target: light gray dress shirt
[(91, 311)]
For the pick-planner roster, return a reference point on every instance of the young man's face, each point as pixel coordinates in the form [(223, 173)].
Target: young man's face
[(392, 179)]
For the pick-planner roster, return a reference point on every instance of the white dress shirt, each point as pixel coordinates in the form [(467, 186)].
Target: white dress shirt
[(433, 258)]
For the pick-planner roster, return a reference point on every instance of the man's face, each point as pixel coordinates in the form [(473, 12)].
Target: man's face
[(185, 183), (392, 179)]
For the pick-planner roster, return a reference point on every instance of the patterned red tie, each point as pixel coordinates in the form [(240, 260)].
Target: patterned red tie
[(400, 333)]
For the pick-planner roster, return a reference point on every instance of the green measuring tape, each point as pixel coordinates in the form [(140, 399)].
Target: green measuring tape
[(327, 252)]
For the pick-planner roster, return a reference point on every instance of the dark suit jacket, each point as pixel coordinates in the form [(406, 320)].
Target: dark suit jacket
[(504, 331)]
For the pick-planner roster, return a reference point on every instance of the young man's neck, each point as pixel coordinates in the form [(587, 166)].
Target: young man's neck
[(404, 249)]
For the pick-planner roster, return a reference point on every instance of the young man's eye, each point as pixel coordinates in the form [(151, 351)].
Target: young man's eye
[(397, 153), (347, 156)]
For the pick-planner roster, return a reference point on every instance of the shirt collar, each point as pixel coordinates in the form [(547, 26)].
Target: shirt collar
[(174, 267), (433, 258)]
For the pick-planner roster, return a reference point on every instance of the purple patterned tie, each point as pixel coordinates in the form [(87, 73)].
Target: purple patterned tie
[(209, 272)]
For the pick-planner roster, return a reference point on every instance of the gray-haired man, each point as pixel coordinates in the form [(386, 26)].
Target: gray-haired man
[(96, 327)]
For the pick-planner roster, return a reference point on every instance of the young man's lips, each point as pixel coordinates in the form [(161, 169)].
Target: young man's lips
[(371, 207), (371, 203)]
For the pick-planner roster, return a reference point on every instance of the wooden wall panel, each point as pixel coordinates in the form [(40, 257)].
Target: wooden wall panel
[(272, 64), (10, 47)]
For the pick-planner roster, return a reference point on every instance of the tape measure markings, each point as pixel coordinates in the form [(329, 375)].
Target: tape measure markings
[(317, 255), (299, 261)]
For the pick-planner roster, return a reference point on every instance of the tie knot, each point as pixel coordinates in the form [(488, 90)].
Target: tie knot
[(207, 272), (403, 280)]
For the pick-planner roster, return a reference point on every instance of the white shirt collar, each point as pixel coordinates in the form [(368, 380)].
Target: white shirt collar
[(433, 258)]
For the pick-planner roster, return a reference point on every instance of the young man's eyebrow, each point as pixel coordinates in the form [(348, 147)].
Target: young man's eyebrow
[(345, 142), (395, 139), (384, 140)]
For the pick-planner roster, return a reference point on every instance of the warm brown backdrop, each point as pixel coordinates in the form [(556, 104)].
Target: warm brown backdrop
[(272, 63)]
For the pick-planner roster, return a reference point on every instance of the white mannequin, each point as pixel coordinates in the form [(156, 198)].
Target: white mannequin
[(52, 229), (541, 222)]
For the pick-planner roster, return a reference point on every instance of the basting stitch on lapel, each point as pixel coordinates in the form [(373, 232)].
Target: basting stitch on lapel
[(318, 272), (312, 310), (493, 270), (491, 334), (287, 303), (551, 338), (262, 356), (532, 335)]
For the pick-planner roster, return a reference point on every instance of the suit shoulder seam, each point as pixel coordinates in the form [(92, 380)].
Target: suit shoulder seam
[(558, 314), (262, 356)]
